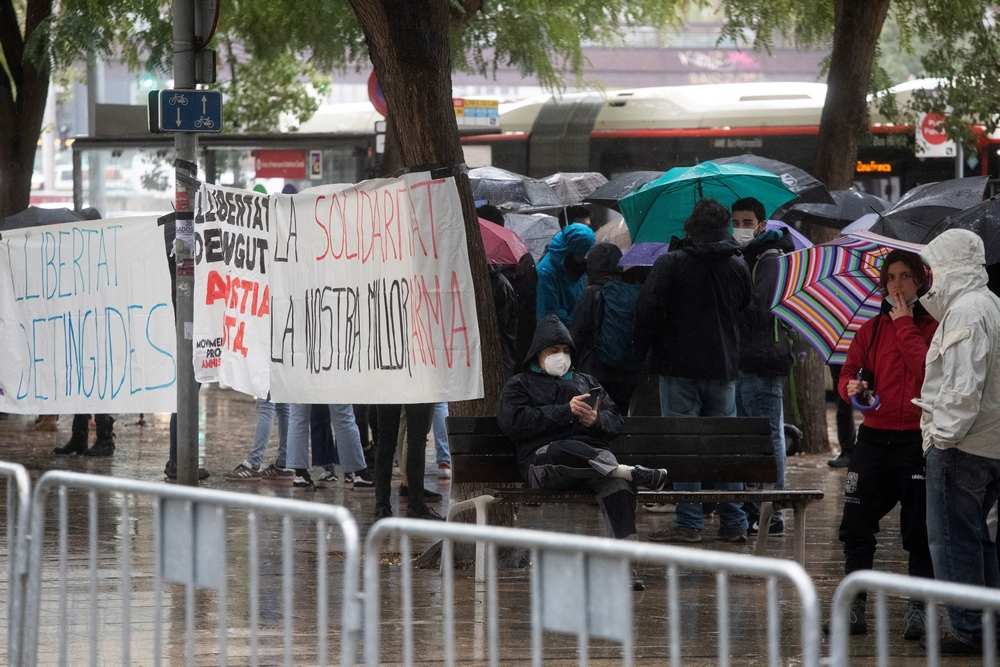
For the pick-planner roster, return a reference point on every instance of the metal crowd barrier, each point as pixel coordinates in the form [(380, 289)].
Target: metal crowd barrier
[(933, 593), (17, 514), (578, 585), (183, 540)]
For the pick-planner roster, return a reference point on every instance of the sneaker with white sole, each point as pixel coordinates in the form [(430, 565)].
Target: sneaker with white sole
[(302, 480), (658, 508), (653, 479), (273, 472), (444, 470), (244, 471), (357, 482), (328, 476)]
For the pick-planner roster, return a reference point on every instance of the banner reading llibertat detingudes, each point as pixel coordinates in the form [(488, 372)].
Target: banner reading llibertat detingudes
[(365, 291), (86, 319)]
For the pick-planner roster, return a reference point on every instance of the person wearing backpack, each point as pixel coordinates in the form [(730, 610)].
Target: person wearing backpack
[(765, 354), (602, 325)]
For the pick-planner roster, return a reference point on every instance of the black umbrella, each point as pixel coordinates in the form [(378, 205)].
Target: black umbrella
[(849, 206), (983, 219), (923, 207), (499, 186), (797, 180), (34, 216), (611, 192)]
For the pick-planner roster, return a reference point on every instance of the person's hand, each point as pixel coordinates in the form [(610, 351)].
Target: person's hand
[(901, 309), (585, 414), (855, 387)]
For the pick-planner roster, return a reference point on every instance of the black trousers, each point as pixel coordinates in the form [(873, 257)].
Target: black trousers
[(418, 423), (846, 431), (571, 464), (887, 467), (81, 426)]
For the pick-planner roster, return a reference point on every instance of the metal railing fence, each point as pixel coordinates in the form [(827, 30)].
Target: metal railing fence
[(18, 509), (195, 535), (578, 585)]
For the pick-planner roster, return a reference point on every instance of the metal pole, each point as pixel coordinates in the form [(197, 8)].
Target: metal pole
[(959, 160), (185, 171)]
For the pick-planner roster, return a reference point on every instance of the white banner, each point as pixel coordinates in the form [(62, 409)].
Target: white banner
[(86, 319), (370, 295), (232, 260)]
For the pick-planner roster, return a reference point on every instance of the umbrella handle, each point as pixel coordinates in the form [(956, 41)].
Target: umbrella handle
[(874, 403)]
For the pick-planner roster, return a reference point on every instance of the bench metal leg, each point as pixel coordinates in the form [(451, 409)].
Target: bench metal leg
[(799, 512), (763, 532), (481, 504)]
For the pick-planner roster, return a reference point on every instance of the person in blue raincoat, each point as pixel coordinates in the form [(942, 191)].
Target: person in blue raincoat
[(561, 273)]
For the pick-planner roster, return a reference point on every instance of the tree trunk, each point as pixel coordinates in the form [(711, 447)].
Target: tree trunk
[(857, 26), (408, 45), (24, 88)]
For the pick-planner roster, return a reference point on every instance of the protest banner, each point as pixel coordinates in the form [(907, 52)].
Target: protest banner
[(86, 319), (232, 299), (370, 296)]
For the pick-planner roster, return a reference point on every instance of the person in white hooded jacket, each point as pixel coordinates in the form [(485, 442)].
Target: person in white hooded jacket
[(960, 424)]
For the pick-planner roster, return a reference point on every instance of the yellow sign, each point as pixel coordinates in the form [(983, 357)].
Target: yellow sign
[(873, 167)]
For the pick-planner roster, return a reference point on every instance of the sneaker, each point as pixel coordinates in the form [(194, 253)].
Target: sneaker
[(855, 617), (914, 621), (777, 527), (302, 480), (423, 512), (383, 512), (275, 473), (404, 492), (102, 448), (734, 534), (637, 583), (675, 534), (357, 482), (330, 476), (842, 461), (652, 479), (444, 470), (657, 508), (244, 471), (170, 471)]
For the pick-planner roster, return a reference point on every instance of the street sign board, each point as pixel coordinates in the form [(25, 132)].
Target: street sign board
[(190, 110), (931, 138)]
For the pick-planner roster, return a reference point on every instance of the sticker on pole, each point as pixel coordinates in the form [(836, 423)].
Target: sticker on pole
[(190, 111), (932, 141)]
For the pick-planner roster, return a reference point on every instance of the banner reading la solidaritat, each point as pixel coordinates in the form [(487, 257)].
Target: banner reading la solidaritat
[(370, 295), (86, 319)]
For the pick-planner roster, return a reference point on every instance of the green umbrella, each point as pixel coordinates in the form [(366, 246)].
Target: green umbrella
[(657, 210)]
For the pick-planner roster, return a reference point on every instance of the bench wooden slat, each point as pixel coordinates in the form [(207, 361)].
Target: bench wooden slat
[(484, 426), (631, 444)]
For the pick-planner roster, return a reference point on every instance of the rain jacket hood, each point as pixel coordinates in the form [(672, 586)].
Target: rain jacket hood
[(559, 290), (960, 396), (710, 245), (957, 259), (550, 331), (602, 262)]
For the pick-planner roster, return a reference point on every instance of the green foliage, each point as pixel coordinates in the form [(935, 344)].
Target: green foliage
[(804, 23)]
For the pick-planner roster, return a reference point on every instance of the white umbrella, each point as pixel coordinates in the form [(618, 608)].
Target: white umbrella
[(615, 231), (572, 187), (536, 230)]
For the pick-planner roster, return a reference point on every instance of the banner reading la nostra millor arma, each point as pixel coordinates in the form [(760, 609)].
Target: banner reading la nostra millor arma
[(369, 293), (86, 319)]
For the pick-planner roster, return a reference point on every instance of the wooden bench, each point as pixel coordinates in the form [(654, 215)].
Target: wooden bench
[(703, 449)]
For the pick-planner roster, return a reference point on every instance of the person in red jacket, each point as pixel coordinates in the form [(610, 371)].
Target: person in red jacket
[(886, 359)]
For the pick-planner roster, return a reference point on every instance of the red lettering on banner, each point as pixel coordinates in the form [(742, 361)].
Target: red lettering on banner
[(326, 230), (389, 212), (418, 323), (247, 287), (430, 211), (233, 295), (216, 288), (238, 343), (265, 301), (211, 363), (456, 294)]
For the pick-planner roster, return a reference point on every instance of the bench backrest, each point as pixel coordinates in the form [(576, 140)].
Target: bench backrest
[(692, 449)]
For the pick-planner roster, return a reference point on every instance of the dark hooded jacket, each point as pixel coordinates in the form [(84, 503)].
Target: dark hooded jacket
[(534, 406), (764, 348), (605, 293), (505, 303), (559, 290), (686, 314)]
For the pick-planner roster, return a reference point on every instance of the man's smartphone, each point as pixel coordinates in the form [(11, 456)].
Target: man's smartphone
[(595, 397)]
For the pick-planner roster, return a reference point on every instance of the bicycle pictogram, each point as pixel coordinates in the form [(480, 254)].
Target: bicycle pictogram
[(179, 99)]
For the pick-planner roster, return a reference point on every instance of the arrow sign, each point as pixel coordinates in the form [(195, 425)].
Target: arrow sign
[(179, 110)]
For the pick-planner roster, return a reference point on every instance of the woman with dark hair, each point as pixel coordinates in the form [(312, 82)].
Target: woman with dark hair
[(884, 371)]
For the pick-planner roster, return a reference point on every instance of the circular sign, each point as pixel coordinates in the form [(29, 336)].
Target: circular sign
[(376, 96), (931, 129)]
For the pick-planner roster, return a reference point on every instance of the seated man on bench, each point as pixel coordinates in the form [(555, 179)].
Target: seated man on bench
[(562, 440)]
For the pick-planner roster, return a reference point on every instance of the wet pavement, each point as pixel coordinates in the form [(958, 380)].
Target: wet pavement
[(227, 427)]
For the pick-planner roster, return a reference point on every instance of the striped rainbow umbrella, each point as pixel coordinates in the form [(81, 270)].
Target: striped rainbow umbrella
[(828, 291)]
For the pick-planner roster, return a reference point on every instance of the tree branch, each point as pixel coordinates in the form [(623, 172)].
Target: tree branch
[(11, 42)]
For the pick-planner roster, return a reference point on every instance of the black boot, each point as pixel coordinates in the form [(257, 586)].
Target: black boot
[(105, 443), (78, 441)]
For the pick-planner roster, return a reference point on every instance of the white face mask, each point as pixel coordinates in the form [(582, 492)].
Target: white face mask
[(743, 236), (556, 364), (892, 302)]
